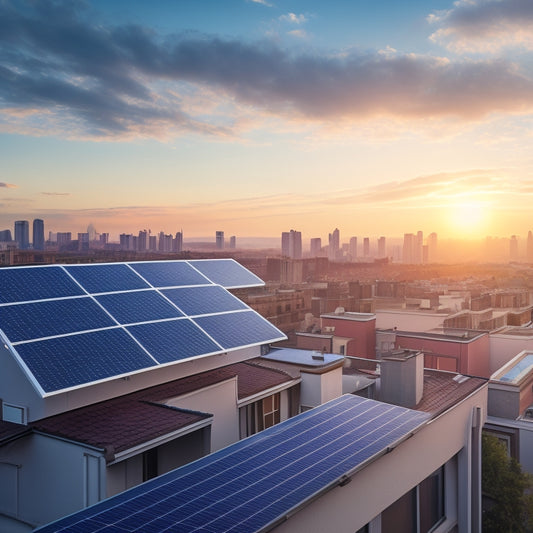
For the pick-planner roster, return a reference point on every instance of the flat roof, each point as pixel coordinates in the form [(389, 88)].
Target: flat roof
[(254, 484), (297, 356), (445, 335), (349, 315)]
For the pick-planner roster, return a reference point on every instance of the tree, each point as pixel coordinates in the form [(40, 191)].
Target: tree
[(508, 504)]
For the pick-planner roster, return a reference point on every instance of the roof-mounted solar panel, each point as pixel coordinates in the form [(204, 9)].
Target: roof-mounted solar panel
[(138, 306), (106, 277), (73, 360), (244, 328), (173, 340), (227, 272), (169, 273), (203, 300), (34, 320), (24, 284)]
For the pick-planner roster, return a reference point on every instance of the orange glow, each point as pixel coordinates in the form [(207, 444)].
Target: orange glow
[(468, 219)]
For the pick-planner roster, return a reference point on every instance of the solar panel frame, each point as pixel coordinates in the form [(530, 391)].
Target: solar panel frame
[(256, 482)]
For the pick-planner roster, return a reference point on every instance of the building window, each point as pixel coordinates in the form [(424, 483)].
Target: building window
[(262, 414), (431, 500)]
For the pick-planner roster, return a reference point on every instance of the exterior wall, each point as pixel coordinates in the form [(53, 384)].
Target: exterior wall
[(54, 478), (317, 389), (124, 475), (470, 358), (317, 342), (408, 321), (362, 333), (52, 405), (221, 401), (504, 347), (345, 509), (504, 401)]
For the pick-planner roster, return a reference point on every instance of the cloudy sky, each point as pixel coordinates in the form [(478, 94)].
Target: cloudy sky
[(377, 117)]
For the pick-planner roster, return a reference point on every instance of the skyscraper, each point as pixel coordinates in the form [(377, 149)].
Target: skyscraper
[(353, 248), (366, 247), (38, 234), (178, 241), (334, 244), (529, 250), (220, 240), (291, 244), (315, 246), (513, 248), (382, 250), (408, 248), (22, 234)]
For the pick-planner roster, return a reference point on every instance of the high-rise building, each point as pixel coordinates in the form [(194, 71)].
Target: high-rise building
[(38, 234), (291, 244), (178, 242), (83, 242), (382, 247), (408, 255), (366, 247), (142, 241), (233, 242), (529, 249), (5, 235), (419, 242), (334, 240), (315, 246), (353, 248), (432, 247), (513, 248), (104, 238), (91, 231), (64, 238), (22, 234), (220, 240)]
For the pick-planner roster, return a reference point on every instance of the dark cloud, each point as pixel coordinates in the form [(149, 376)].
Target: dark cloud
[(485, 24), (107, 81), (7, 185)]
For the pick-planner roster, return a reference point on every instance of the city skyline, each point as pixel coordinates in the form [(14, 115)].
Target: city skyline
[(380, 118)]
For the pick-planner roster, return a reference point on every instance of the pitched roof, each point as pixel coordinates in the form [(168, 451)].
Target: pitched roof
[(127, 421)]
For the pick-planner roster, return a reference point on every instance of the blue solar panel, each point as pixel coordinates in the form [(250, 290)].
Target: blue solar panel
[(106, 277), (138, 306), (227, 272), (203, 300), (253, 483), (173, 340), (169, 273), (35, 283), (239, 329), (64, 362), (52, 317)]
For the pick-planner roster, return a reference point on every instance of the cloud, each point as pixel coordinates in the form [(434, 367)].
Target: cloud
[(292, 18), (56, 193), (262, 2), (76, 77), (7, 185), (485, 25)]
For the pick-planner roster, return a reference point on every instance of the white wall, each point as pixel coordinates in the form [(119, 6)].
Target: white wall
[(219, 400), (317, 389), (51, 477), (504, 347)]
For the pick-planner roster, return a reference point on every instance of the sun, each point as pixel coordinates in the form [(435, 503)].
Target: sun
[(468, 219)]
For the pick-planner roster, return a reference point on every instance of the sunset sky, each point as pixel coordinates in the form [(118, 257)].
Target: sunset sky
[(378, 117)]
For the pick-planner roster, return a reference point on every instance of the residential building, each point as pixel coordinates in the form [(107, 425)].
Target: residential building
[(315, 247), (382, 247), (291, 244), (353, 248), (219, 240)]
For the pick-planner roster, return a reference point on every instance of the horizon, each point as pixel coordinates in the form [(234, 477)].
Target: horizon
[(258, 116)]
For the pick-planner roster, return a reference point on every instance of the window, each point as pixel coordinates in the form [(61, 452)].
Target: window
[(431, 500), (261, 415), (14, 413)]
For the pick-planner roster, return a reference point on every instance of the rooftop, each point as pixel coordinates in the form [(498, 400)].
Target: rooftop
[(451, 335), (121, 423)]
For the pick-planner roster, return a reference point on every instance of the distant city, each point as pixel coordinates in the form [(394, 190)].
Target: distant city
[(413, 249)]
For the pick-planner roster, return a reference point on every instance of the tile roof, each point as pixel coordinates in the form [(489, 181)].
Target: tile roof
[(10, 431), (127, 421)]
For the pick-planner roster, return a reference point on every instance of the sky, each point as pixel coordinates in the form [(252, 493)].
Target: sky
[(254, 117)]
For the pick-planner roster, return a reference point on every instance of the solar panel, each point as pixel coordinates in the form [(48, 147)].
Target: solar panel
[(169, 273), (22, 284), (202, 300), (239, 329), (253, 483), (106, 277), (64, 362), (159, 302), (48, 318), (227, 272), (173, 340), (138, 306)]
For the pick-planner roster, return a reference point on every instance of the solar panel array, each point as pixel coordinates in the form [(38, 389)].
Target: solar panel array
[(253, 484), (72, 325)]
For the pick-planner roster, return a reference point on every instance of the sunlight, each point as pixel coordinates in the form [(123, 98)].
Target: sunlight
[(468, 219)]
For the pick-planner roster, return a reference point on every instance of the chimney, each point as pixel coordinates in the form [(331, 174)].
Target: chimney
[(402, 377)]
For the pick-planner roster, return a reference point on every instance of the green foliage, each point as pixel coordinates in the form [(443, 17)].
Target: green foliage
[(508, 504)]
